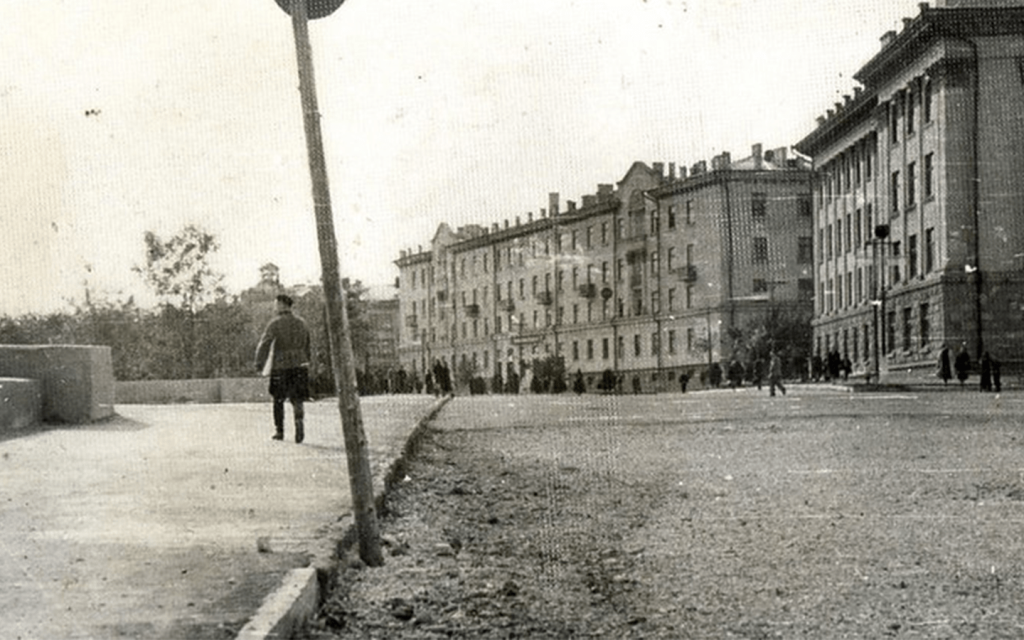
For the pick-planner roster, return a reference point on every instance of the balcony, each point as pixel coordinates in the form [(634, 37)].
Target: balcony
[(545, 298), (472, 310), (588, 290)]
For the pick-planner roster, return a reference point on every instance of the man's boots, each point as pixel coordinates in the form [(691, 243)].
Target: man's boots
[(300, 433)]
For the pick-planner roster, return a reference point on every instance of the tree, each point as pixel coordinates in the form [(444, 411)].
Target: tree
[(179, 273)]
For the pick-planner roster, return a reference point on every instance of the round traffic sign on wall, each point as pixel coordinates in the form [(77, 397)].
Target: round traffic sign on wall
[(315, 8)]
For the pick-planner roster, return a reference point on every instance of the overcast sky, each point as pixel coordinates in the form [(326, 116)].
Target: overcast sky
[(120, 117)]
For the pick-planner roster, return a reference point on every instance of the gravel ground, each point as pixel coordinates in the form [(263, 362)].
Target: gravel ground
[(682, 518)]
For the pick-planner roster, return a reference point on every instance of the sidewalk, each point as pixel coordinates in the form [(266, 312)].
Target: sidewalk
[(146, 526)]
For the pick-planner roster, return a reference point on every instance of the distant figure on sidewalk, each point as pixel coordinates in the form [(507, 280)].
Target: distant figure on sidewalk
[(962, 364), (578, 385), (997, 375), (636, 385), (758, 372), (735, 373), (986, 372), (945, 366), (284, 351), (684, 379), (775, 375)]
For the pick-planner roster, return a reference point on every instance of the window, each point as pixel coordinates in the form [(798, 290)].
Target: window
[(671, 299), (906, 328), (894, 121), (894, 192), (671, 259), (828, 242), (896, 262), (671, 216), (758, 204), (620, 347), (925, 324), (575, 313), (929, 250), (655, 344), (929, 176), (590, 349), (672, 341), (604, 348), (533, 285), (636, 344), (590, 237), (926, 101), (804, 205), (805, 288), (858, 238), (604, 233), (839, 237), (760, 250), (890, 332), (911, 184), (911, 98), (689, 212), (604, 272), (912, 256)]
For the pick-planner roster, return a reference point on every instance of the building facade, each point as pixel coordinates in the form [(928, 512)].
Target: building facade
[(919, 210), (648, 278)]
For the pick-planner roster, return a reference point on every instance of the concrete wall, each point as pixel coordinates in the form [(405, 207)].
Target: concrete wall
[(21, 403), (77, 381), (208, 391)]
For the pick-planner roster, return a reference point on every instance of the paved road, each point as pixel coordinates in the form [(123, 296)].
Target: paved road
[(819, 514), (146, 526)]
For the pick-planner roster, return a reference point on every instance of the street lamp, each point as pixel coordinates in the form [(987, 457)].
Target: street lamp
[(881, 239), (342, 357)]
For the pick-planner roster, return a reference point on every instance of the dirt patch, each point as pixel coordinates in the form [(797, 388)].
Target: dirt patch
[(759, 529)]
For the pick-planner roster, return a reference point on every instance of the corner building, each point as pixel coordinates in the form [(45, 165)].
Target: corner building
[(645, 278), (919, 209)]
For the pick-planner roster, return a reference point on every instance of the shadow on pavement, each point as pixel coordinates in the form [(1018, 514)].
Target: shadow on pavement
[(114, 423)]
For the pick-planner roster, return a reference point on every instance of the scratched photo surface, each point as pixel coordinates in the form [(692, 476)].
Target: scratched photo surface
[(619, 318)]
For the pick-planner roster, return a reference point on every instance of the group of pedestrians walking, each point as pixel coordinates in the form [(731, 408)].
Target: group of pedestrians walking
[(960, 365)]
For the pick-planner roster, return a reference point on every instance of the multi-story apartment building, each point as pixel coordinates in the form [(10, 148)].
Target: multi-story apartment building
[(645, 278), (919, 209)]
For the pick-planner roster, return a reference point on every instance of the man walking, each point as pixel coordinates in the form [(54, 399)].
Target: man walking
[(775, 375), (285, 348)]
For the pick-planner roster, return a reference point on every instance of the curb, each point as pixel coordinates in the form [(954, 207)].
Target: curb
[(291, 606)]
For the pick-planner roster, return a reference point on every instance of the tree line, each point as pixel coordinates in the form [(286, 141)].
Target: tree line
[(198, 329)]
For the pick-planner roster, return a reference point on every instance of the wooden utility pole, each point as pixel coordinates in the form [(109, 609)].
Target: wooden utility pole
[(342, 358)]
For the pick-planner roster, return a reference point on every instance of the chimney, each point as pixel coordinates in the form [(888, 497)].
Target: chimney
[(821, 120), (553, 204), (543, 213), (906, 22), (506, 223), (589, 201), (517, 220), (659, 168), (604, 192), (699, 167), (769, 156), (682, 172), (887, 38), (721, 162), (781, 154), (529, 215), (420, 250), (758, 159), (494, 228), (571, 205)]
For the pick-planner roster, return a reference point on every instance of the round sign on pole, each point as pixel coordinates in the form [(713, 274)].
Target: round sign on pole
[(315, 8)]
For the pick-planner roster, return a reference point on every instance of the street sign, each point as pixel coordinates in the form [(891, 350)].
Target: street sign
[(315, 8)]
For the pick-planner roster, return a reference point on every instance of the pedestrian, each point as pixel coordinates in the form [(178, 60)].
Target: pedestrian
[(684, 379), (284, 350), (578, 385), (758, 372), (945, 367), (636, 385), (715, 375), (775, 375), (962, 364), (735, 373), (997, 375), (986, 372)]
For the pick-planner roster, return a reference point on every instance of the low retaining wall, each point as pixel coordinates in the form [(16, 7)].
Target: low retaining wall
[(77, 381), (21, 403), (204, 391)]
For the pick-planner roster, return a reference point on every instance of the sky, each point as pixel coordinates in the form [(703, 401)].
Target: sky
[(118, 118)]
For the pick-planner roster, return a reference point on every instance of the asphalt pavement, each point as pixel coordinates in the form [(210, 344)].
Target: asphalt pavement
[(173, 521)]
